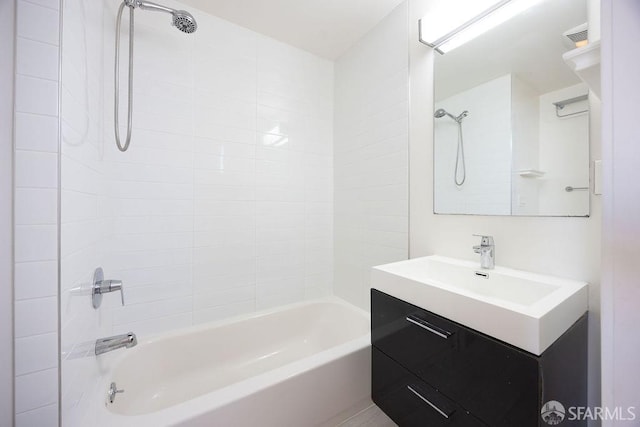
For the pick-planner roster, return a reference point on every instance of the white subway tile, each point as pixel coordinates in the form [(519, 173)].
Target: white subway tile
[(36, 353), (152, 309), (36, 206), (223, 297), (36, 316), (222, 312), (36, 243), (206, 279), (80, 206), (37, 96), (151, 241), (156, 325), (160, 289), (36, 132), (36, 390), (46, 416), (51, 4), (35, 279), (37, 22), (36, 169), (287, 293), (36, 59)]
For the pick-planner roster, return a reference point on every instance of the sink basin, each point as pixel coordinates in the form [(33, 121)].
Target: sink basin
[(527, 310)]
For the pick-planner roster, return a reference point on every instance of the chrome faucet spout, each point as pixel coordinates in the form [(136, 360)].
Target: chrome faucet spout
[(487, 251), (104, 345)]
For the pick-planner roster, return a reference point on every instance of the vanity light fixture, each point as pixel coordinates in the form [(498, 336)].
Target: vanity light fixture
[(444, 39)]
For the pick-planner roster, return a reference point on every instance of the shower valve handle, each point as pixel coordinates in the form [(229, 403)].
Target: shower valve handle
[(101, 286)]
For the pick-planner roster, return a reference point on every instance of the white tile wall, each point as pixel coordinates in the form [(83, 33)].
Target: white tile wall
[(36, 132), (36, 390), (371, 156), (35, 212), (33, 353), (36, 95), (38, 22), (224, 202), (487, 188), (46, 416)]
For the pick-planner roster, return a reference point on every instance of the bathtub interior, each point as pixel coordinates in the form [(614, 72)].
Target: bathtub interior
[(170, 370)]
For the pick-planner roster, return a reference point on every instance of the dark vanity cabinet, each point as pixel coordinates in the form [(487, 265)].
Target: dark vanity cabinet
[(429, 371)]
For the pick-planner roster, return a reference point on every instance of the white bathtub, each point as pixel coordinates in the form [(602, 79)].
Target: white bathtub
[(302, 365)]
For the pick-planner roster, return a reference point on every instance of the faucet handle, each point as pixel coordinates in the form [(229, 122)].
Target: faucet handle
[(112, 286), (101, 286), (485, 240), (113, 390)]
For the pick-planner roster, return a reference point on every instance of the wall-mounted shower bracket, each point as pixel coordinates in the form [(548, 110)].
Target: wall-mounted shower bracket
[(101, 286)]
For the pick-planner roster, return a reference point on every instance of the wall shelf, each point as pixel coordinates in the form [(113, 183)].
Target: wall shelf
[(530, 173), (585, 62)]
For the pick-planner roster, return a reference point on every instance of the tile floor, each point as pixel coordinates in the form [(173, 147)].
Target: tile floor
[(370, 417)]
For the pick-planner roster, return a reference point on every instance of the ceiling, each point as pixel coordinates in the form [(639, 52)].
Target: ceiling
[(326, 28)]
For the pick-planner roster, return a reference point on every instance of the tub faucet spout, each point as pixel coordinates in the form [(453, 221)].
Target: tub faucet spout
[(104, 345)]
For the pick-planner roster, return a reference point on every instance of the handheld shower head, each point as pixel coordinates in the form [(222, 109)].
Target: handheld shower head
[(441, 112), (182, 20)]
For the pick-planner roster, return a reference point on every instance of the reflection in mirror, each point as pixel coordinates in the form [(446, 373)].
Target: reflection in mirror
[(511, 121)]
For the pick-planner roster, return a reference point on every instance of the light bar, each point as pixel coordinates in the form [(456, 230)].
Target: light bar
[(492, 17)]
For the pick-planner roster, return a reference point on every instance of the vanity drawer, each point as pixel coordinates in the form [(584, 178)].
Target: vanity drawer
[(410, 335), (496, 382), (411, 402)]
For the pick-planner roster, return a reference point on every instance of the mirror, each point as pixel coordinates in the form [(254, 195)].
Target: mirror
[(511, 121)]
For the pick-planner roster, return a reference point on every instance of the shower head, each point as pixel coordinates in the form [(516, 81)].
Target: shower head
[(441, 112), (182, 19)]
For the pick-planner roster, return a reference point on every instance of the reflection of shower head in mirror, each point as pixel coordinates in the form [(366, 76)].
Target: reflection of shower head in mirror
[(441, 112)]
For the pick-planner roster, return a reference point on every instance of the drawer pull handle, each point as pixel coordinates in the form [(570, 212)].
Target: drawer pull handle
[(429, 327), (424, 399)]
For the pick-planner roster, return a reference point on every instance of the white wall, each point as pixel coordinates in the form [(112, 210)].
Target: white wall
[(567, 247), (487, 150), (36, 213), (371, 156), (563, 153), (7, 41), (223, 203), (621, 216)]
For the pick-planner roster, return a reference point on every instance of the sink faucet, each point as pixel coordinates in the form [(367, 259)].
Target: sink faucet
[(104, 345), (487, 251)]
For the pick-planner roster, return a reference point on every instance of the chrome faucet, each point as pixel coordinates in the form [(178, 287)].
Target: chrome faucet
[(104, 345), (487, 251), (101, 286)]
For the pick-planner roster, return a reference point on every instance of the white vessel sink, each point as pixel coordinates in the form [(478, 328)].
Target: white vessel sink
[(527, 310)]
